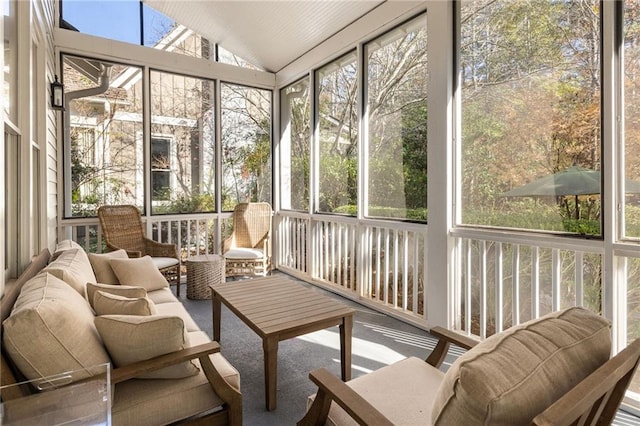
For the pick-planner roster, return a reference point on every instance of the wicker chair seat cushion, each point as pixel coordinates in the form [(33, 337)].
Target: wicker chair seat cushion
[(515, 375), (164, 262), (244, 253)]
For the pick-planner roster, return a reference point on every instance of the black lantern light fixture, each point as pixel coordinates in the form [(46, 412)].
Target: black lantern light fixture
[(57, 95)]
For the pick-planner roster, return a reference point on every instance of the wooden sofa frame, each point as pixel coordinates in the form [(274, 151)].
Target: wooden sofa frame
[(593, 401), (231, 412)]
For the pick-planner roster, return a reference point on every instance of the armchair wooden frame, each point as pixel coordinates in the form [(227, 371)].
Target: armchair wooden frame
[(231, 412), (593, 401), (122, 229)]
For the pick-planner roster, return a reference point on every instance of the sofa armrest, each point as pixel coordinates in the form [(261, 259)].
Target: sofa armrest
[(330, 388), (445, 339), (130, 371)]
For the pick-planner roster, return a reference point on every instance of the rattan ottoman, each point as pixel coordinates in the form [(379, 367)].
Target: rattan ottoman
[(202, 271)]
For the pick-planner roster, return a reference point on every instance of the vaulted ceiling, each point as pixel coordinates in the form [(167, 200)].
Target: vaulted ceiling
[(267, 33)]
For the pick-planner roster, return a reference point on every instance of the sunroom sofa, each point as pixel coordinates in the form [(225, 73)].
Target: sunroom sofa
[(59, 316)]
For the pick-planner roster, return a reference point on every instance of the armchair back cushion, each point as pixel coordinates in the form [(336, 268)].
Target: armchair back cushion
[(512, 376), (51, 329)]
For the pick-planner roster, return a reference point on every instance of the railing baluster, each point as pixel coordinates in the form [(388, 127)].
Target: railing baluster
[(535, 282), (556, 278), (579, 276), (515, 271), (483, 289)]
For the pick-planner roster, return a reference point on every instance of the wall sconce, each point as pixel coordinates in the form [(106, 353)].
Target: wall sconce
[(57, 95)]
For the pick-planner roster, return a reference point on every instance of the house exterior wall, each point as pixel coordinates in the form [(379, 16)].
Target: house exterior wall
[(29, 214)]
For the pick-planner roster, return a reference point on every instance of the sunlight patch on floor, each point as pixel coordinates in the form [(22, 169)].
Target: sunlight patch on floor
[(360, 347)]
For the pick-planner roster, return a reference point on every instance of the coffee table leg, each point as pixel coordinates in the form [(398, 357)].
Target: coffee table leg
[(270, 346), (216, 310), (345, 347)]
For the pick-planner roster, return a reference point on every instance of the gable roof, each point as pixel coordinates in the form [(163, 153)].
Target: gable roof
[(269, 33)]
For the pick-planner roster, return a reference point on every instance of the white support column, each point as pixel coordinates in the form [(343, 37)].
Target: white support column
[(441, 137), (613, 306)]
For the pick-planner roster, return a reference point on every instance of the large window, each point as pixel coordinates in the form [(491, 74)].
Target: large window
[(183, 144), (337, 116), (396, 116), (246, 145), (531, 137), (103, 127), (10, 36), (295, 142)]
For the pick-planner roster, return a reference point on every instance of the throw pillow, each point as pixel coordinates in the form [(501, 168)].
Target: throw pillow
[(62, 246), (513, 376), (130, 339), (140, 272), (101, 264), (119, 290), (111, 304)]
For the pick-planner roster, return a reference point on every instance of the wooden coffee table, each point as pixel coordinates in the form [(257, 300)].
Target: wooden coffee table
[(277, 308)]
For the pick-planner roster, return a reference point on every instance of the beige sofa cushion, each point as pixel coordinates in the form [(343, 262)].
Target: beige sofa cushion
[(73, 267), (129, 339), (51, 330), (62, 246), (139, 272), (111, 304), (119, 290), (101, 264), (511, 377)]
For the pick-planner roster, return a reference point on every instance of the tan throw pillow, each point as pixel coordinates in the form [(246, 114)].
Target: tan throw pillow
[(140, 272), (130, 339), (51, 330), (133, 292), (101, 264), (513, 376), (111, 304)]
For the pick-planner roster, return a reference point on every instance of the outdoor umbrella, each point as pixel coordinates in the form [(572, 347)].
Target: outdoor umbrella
[(572, 181)]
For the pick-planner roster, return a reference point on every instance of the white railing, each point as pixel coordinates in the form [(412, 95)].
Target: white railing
[(379, 263), (193, 234), (504, 279), (500, 278)]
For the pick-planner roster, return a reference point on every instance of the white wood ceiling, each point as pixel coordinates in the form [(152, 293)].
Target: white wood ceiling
[(268, 33)]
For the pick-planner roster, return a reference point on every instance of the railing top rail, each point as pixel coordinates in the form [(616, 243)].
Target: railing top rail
[(379, 223), (531, 239)]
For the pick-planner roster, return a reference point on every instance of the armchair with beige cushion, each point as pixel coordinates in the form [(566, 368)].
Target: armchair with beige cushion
[(247, 250), (554, 370), (122, 229)]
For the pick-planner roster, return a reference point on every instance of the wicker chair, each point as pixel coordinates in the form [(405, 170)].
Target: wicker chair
[(247, 250), (122, 229)]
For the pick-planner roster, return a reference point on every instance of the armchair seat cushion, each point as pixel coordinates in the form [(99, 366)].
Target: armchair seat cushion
[(403, 392), (244, 253), (165, 262)]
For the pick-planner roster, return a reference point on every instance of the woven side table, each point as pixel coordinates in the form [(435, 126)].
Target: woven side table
[(202, 271)]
